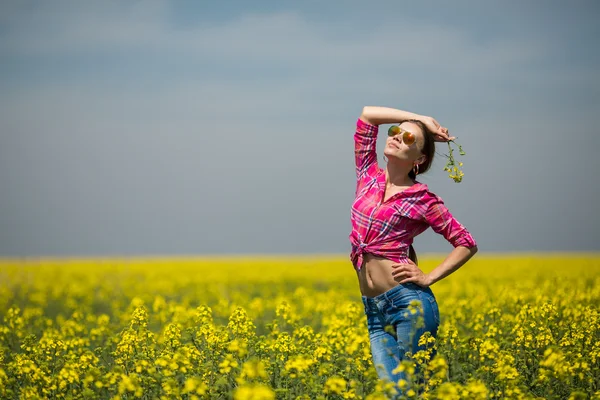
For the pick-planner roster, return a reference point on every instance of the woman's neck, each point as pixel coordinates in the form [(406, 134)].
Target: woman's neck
[(397, 174)]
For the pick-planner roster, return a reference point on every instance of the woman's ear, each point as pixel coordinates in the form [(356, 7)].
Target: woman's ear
[(421, 159)]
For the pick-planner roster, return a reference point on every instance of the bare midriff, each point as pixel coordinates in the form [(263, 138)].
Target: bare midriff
[(375, 276)]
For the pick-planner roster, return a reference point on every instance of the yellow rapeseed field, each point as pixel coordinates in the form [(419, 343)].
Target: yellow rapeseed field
[(289, 328)]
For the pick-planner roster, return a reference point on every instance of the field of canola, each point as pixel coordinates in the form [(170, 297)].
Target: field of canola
[(289, 328)]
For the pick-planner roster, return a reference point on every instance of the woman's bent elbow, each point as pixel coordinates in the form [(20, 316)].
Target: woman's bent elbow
[(364, 115)]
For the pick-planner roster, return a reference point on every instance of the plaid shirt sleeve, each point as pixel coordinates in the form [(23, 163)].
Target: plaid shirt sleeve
[(365, 140), (441, 221)]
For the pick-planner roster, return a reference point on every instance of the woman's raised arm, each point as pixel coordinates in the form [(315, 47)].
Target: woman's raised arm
[(384, 115), (375, 115)]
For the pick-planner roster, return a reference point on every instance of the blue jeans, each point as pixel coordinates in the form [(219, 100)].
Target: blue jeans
[(391, 309)]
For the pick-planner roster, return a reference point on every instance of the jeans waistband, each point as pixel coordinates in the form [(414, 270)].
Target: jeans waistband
[(385, 296)]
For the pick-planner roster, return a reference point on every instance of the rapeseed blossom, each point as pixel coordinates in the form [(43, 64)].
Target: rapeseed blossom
[(291, 329)]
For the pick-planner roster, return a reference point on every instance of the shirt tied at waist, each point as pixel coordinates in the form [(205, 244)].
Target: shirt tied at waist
[(359, 249), (358, 254)]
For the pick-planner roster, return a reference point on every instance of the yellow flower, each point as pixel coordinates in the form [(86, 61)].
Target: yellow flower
[(193, 385), (253, 392), (335, 385), (227, 364), (295, 366)]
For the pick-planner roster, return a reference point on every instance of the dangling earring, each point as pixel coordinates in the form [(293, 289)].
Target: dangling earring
[(416, 169), (385, 158)]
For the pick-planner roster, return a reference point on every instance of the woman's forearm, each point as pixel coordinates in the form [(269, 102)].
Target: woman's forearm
[(384, 115), (454, 261)]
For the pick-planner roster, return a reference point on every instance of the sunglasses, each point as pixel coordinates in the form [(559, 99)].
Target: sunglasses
[(407, 137)]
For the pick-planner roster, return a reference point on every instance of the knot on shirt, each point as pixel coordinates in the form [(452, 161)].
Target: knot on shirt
[(357, 255)]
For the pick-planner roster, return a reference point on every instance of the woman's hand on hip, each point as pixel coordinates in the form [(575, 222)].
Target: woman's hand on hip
[(404, 273)]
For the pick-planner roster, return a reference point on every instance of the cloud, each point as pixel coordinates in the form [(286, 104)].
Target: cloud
[(285, 38), (280, 63), (41, 28), (252, 61)]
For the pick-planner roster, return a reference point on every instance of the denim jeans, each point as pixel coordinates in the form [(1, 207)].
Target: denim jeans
[(393, 327)]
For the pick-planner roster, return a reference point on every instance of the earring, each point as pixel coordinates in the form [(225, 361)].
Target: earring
[(416, 169), (385, 158)]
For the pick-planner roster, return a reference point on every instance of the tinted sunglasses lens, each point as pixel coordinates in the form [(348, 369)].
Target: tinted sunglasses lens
[(408, 138), (394, 130)]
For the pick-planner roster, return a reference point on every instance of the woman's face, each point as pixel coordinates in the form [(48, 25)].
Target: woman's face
[(396, 148)]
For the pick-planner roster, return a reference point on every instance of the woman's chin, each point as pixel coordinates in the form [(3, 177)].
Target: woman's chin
[(398, 159), (390, 153)]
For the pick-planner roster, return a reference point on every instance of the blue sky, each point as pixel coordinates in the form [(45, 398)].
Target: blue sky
[(226, 127)]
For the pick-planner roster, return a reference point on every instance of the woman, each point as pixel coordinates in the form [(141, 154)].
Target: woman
[(391, 208)]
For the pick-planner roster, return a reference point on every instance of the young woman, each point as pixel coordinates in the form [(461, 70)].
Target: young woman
[(391, 208)]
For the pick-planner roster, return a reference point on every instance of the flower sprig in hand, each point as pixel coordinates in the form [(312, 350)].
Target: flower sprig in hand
[(452, 166), (441, 134)]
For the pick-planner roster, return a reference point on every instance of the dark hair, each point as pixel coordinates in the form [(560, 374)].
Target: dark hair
[(428, 148), (412, 254)]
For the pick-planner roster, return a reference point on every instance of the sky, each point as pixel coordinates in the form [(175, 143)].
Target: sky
[(154, 127)]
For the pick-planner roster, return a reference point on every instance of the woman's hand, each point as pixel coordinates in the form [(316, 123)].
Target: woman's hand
[(440, 134), (404, 273)]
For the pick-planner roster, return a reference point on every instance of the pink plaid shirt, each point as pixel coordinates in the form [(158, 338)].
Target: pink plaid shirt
[(387, 228)]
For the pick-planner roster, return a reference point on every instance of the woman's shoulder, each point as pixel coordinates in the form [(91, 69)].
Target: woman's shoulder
[(420, 188), (426, 195)]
